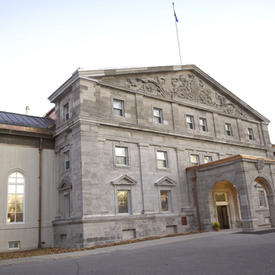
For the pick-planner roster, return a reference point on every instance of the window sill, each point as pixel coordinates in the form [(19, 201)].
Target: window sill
[(122, 166), (123, 214)]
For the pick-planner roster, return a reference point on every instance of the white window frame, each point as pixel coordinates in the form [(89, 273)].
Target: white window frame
[(11, 245), (262, 191), (16, 184), (157, 118), (228, 129), (164, 160), (203, 124), (250, 134), (190, 122), (67, 160), (129, 201), (66, 111), (126, 156), (206, 159), (118, 111), (197, 157), (169, 200)]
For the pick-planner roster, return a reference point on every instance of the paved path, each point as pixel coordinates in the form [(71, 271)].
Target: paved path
[(206, 253)]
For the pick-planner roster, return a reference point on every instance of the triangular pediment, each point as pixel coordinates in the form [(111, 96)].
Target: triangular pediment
[(188, 85), (124, 180), (165, 181)]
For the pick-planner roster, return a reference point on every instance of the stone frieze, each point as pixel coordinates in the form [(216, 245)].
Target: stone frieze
[(180, 86)]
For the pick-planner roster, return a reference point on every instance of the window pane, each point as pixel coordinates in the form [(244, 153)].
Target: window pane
[(156, 112), (118, 112), (20, 189), (11, 198), (13, 175), (161, 163), (122, 197), (121, 160), (262, 200), (117, 104), (164, 200), (194, 159), (20, 180), (161, 155), (220, 197), (11, 189), (19, 198), (19, 217), (12, 180), (11, 218), (19, 208), (207, 159), (11, 208), (120, 151)]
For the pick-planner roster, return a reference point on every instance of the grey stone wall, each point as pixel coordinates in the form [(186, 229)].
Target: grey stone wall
[(93, 131)]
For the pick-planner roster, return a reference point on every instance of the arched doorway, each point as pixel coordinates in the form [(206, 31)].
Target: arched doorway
[(224, 205), (262, 198)]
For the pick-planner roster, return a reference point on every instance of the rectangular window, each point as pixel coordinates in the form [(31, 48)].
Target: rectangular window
[(67, 160), (157, 115), (250, 134), (194, 159), (262, 200), (162, 159), (207, 159), (203, 124), (123, 200), (121, 155), (228, 129), (118, 107), (66, 113), (165, 200), (14, 245), (190, 122)]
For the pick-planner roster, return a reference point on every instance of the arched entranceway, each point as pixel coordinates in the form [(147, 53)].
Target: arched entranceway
[(262, 195), (224, 205)]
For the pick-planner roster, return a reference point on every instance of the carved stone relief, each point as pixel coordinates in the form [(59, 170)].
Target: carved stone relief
[(184, 85)]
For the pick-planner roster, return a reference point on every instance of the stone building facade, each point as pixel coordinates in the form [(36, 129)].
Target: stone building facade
[(149, 151), (130, 134)]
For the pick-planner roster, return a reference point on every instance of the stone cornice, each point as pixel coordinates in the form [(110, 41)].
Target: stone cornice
[(230, 160), (149, 130)]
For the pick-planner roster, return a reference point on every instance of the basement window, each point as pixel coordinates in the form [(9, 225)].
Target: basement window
[(13, 245)]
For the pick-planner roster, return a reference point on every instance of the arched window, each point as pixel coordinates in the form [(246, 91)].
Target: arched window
[(16, 194)]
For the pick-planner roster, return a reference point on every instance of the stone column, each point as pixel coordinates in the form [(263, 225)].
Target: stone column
[(271, 204), (246, 200)]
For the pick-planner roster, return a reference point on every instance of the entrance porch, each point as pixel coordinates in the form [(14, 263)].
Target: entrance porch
[(237, 192)]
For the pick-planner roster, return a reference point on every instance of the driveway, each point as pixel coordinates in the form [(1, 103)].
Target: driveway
[(223, 252)]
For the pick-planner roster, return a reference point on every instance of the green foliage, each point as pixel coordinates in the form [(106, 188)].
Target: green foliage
[(215, 225)]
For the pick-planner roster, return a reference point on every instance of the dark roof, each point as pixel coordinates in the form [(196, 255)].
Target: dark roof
[(26, 120)]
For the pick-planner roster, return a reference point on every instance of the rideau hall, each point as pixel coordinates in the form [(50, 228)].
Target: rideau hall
[(133, 153)]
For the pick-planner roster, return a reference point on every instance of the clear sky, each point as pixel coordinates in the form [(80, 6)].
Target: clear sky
[(43, 42)]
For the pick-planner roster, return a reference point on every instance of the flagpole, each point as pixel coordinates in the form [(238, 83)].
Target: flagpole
[(176, 25)]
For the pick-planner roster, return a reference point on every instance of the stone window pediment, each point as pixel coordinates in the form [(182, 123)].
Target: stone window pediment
[(65, 184), (165, 181), (124, 180)]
